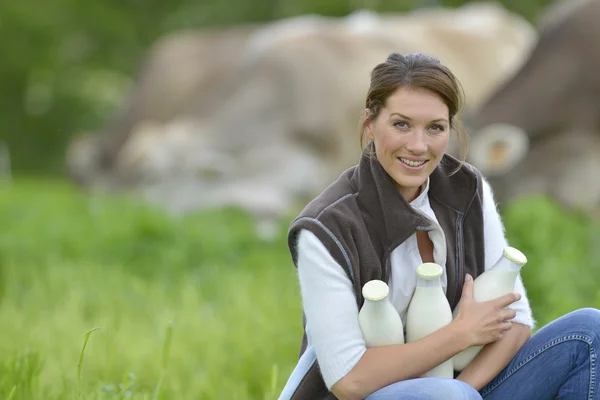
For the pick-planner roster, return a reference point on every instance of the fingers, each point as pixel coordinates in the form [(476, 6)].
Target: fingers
[(496, 333), (505, 326), (508, 314), (467, 292), (507, 299)]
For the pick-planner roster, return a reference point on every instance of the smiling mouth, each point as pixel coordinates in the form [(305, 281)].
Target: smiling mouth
[(411, 163)]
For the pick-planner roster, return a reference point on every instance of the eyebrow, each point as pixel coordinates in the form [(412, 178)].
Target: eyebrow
[(410, 119)]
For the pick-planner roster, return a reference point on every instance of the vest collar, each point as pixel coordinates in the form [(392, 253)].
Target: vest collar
[(391, 215)]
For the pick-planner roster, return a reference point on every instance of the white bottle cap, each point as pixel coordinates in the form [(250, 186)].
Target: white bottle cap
[(429, 270), (375, 290), (515, 256)]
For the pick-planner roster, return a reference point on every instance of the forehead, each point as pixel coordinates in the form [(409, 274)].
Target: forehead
[(417, 103)]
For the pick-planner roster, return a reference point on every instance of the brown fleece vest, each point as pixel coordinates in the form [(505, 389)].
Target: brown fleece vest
[(362, 217)]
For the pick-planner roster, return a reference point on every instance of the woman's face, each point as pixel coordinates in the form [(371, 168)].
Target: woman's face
[(411, 134)]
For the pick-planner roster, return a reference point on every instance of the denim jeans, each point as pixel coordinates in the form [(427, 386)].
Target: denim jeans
[(558, 361), (426, 389)]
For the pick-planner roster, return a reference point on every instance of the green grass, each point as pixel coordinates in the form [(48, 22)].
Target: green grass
[(104, 298)]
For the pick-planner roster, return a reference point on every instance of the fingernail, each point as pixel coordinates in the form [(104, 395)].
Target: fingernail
[(468, 277)]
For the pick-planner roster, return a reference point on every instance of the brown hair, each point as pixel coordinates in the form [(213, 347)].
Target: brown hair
[(418, 71)]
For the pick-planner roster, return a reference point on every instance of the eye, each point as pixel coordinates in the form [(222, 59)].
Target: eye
[(401, 124), (437, 128)]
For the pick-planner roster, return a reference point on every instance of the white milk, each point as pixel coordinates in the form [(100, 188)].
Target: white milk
[(428, 312), (493, 283), (379, 321)]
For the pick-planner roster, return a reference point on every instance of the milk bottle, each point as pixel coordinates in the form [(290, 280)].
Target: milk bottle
[(493, 283), (428, 312), (379, 321)]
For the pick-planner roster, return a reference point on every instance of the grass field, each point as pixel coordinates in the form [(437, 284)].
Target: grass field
[(193, 308)]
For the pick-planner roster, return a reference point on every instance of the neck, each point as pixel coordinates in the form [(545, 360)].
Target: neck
[(410, 193)]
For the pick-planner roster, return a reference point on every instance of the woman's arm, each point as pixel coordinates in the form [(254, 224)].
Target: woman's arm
[(382, 366), (330, 309), (495, 242), (475, 324), (494, 357)]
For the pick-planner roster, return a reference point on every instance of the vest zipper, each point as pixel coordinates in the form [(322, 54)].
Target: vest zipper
[(460, 258)]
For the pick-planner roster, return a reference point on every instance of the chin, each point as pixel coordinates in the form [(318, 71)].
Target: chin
[(410, 180), (410, 183)]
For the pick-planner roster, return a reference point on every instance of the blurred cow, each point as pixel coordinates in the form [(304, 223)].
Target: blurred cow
[(175, 71), (280, 122), (540, 132)]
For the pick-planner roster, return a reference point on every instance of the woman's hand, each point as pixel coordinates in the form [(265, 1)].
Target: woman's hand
[(484, 322)]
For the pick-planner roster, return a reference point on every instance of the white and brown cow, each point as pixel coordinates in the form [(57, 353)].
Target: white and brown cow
[(540, 132)]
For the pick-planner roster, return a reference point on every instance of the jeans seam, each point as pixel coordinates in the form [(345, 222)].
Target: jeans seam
[(549, 345)]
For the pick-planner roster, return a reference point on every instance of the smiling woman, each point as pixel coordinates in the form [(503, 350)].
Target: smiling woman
[(408, 202)]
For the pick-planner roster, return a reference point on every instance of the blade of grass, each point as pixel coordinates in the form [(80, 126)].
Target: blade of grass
[(81, 355), (165, 359), (12, 393)]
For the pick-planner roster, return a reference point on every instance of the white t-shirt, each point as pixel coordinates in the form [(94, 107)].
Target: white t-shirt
[(328, 297)]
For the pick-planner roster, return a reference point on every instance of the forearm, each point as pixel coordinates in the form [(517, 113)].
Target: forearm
[(382, 366), (494, 357)]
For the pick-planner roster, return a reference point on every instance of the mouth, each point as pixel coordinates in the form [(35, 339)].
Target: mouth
[(412, 164)]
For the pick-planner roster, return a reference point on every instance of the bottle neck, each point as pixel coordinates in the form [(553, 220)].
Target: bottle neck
[(506, 265), (375, 306), (425, 283)]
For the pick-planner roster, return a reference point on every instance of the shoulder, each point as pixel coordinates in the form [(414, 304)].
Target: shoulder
[(456, 172), (329, 217), (335, 205), (468, 172), (490, 206), (456, 183)]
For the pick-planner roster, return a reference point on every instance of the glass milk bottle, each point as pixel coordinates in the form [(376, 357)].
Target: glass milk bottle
[(493, 283), (428, 312), (379, 321)]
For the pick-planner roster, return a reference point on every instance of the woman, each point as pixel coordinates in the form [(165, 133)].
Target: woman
[(405, 203)]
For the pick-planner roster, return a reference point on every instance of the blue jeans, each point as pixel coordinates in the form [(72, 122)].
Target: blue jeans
[(558, 361), (427, 389)]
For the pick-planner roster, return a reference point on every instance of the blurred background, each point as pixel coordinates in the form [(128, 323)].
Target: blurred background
[(152, 155)]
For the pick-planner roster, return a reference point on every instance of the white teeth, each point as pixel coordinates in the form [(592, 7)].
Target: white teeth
[(412, 163)]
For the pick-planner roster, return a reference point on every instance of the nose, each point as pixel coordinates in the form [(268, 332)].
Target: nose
[(416, 142)]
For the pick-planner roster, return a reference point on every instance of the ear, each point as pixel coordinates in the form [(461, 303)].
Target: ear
[(368, 124)]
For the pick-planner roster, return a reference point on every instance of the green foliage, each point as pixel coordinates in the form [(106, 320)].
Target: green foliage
[(66, 65), (73, 262), (564, 256), (114, 299)]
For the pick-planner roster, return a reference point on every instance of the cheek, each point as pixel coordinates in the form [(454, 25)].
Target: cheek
[(440, 144), (388, 140)]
